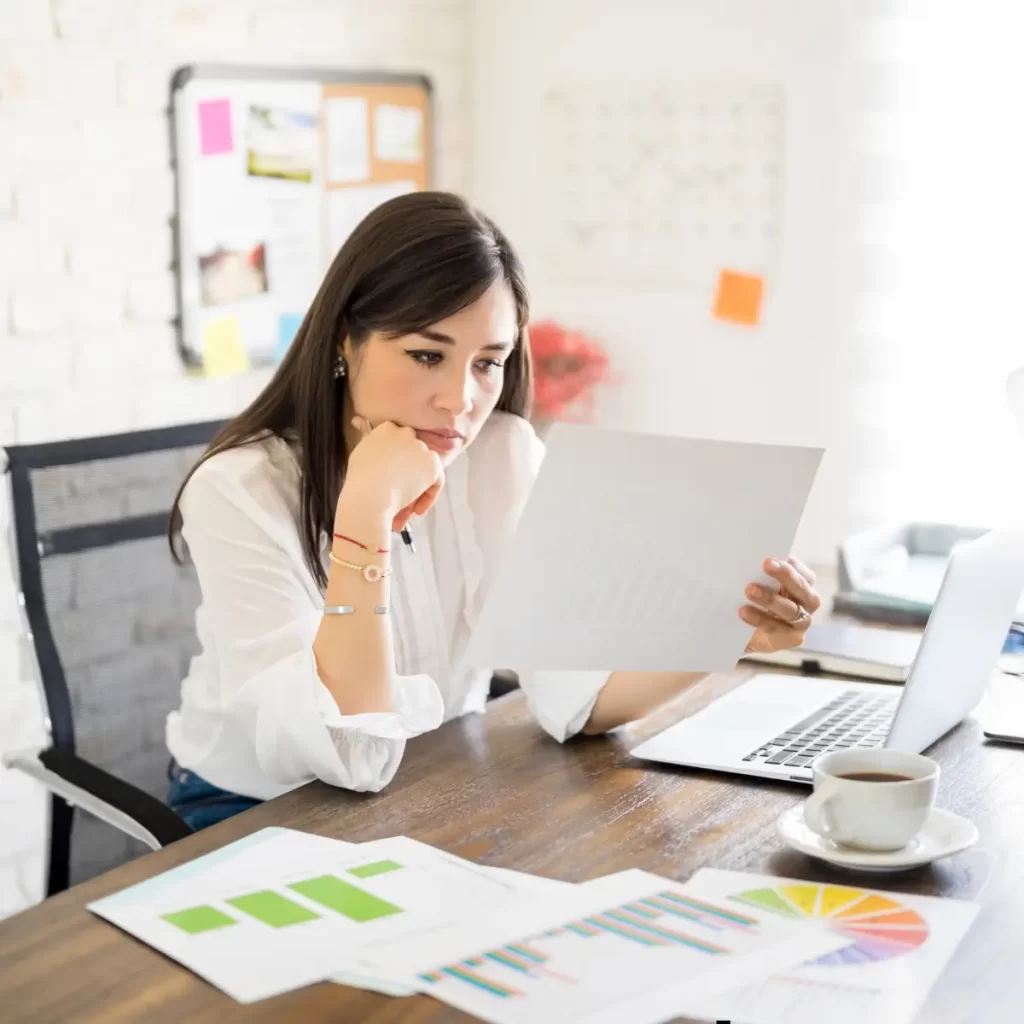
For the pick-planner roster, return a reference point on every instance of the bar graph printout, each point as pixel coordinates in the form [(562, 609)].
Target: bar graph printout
[(295, 909), (627, 947)]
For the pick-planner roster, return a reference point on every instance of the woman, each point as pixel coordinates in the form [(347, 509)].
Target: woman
[(326, 640)]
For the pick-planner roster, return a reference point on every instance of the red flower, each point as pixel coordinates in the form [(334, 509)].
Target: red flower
[(566, 367)]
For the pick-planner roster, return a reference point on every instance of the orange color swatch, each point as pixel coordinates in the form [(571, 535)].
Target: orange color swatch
[(738, 298)]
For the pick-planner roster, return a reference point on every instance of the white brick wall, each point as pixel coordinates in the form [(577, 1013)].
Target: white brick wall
[(85, 197)]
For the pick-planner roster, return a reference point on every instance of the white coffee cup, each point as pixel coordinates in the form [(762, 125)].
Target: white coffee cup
[(871, 815)]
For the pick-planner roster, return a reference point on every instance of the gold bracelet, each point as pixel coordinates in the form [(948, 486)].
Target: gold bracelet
[(371, 573)]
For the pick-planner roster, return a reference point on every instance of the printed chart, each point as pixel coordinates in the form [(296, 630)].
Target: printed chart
[(272, 908), (624, 947), (880, 927), (296, 909), (506, 971), (896, 947)]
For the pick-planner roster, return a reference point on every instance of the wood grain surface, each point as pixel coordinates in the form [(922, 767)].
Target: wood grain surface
[(495, 789)]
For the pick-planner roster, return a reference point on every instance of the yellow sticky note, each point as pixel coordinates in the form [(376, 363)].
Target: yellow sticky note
[(738, 298), (223, 354)]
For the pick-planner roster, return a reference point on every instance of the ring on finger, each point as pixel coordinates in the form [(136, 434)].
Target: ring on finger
[(801, 616)]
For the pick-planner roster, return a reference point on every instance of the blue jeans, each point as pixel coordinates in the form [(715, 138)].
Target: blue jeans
[(198, 803)]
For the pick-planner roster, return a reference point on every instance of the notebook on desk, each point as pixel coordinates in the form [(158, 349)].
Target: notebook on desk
[(837, 648)]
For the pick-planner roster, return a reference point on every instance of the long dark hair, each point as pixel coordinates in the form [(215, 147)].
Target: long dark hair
[(414, 261)]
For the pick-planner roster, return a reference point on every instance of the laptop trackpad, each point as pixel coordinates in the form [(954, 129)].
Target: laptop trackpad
[(737, 723), (761, 716)]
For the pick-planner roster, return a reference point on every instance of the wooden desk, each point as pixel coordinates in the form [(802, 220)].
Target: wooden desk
[(495, 789)]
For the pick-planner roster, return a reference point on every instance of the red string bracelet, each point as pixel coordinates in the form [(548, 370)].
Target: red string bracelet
[(360, 544)]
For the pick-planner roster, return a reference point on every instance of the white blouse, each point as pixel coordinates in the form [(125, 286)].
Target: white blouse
[(255, 718)]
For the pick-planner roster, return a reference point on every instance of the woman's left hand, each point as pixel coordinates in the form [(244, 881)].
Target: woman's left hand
[(781, 619)]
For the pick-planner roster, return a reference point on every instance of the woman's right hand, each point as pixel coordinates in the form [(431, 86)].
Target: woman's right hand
[(393, 469)]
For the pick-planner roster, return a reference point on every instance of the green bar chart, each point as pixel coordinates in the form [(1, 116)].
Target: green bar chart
[(273, 909), (196, 920), (352, 902), (277, 910), (380, 867)]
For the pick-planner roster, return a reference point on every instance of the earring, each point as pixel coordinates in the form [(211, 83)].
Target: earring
[(340, 367)]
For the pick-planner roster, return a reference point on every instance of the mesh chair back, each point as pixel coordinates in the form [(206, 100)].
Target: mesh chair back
[(121, 613)]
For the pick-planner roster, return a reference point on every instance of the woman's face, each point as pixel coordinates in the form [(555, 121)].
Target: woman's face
[(443, 382)]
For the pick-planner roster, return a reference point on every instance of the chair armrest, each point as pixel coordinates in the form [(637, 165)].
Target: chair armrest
[(109, 798)]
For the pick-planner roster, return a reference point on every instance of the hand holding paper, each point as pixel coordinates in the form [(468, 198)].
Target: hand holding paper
[(782, 617), (634, 551)]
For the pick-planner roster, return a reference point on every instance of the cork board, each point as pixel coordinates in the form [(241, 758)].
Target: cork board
[(274, 169)]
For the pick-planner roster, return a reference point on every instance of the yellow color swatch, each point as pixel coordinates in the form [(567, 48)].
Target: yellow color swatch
[(870, 905), (805, 897), (738, 298), (835, 897), (223, 354)]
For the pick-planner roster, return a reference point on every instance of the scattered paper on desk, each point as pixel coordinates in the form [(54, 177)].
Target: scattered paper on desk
[(296, 909), (529, 885), (895, 947), (738, 298), (627, 947), (374, 981), (634, 551), (525, 884), (223, 354)]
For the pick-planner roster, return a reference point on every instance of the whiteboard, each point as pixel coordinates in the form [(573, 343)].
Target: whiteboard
[(661, 184), (273, 170)]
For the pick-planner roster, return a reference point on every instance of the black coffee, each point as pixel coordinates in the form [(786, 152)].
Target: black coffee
[(876, 777)]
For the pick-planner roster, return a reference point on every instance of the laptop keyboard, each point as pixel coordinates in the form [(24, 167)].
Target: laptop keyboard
[(853, 719)]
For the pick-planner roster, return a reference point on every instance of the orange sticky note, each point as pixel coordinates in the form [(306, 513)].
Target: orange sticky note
[(738, 298)]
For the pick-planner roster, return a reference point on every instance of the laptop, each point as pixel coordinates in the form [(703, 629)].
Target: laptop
[(774, 726)]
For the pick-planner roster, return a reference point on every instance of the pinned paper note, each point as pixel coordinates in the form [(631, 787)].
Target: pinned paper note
[(223, 354), (347, 207), (738, 299), (215, 127), (398, 133), (347, 126), (287, 327)]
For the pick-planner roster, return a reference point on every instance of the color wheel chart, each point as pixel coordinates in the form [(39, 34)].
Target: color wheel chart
[(664, 919), (897, 947), (880, 927)]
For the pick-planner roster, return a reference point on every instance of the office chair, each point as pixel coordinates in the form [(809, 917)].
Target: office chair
[(111, 623), (110, 619)]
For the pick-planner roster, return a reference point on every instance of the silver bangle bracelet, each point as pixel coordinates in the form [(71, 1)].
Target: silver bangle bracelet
[(347, 609)]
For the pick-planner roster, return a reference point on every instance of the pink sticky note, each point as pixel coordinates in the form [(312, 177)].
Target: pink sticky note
[(215, 127)]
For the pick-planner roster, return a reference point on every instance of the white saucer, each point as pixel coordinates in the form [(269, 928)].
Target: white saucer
[(944, 833)]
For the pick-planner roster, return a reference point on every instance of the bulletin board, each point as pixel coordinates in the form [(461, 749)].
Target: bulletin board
[(274, 168)]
